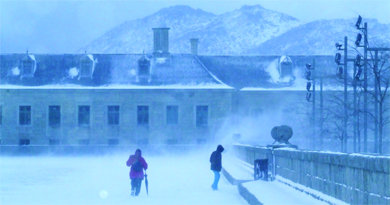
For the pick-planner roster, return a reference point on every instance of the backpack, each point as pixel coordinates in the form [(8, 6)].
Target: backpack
[(137, 166)]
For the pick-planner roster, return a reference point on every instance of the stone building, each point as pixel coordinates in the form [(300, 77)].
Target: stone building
[(157, 98)]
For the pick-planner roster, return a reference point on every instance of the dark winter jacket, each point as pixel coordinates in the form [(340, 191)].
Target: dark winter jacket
[(216, 159)]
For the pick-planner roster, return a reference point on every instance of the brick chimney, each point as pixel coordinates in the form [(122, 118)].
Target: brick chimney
[(194, 46), (160, 42)]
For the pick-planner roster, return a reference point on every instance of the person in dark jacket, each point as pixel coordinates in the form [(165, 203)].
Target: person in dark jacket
[(216, 165), (138, 164)]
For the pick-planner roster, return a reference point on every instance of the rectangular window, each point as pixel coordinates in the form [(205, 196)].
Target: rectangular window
[(24, 115), (113, 115), (54, 116), (113, 141), (84, 115), (143, 115), (54, 141), (24, 142), (1, 115), (84, 142), (202, 115), (172, 114)]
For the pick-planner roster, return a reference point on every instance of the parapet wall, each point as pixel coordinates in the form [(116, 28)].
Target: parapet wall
[(353, 178)]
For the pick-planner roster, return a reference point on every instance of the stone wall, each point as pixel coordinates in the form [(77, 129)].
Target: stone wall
[(353, 178)]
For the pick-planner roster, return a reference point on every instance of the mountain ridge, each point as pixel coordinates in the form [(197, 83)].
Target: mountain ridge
[(249, 30)]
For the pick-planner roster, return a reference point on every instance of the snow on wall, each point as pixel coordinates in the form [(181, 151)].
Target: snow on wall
[(353, 178)]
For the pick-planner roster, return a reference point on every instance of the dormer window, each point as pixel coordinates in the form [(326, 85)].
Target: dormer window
[(87, 66), (28, 66), (143, 66), (143, 69), (285, 67)]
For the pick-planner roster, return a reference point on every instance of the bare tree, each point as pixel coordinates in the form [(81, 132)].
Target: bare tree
[(381, 71), (334, 117)]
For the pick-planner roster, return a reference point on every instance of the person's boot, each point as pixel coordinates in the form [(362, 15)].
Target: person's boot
[(132, 192)]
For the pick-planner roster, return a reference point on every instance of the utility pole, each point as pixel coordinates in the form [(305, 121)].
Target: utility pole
[(321, 111), (365, 87), (378, 145), (355, 110), (376, 103), (311, 90), (345, 134), (314, 101)]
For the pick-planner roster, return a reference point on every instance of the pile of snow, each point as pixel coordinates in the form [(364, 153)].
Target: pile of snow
[(15, 71), (272, 70), (133, 72), (161, 60), (285, 59), (73, 72), (32, 57)]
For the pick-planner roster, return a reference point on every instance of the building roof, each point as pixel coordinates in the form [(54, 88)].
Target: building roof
[(263, 71), (176, 71), (117, 70)]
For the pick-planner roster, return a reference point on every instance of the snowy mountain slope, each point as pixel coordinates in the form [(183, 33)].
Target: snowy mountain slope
[(229, 33), (319, 37), (137, 35)]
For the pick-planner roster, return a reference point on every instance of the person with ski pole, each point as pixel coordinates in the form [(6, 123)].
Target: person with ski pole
[(137, 164)]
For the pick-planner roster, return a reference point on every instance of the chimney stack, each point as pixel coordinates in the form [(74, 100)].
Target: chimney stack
[(194, 46), (161, 42)]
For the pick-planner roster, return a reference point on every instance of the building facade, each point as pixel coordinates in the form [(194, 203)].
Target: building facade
[(157, 98)]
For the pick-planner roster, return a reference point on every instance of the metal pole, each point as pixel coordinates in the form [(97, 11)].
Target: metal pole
[(321, 111), (365, 87), (345, 135), (376, 102), (314, 104), (355, 110)]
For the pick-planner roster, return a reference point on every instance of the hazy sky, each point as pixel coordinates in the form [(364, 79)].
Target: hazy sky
[(63, 26)]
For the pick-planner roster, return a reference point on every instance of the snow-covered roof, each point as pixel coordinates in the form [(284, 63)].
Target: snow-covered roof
[(261, 72), (285, 59), (177, 71)]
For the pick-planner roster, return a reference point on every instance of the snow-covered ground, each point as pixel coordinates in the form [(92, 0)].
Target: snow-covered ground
[(173, 179)]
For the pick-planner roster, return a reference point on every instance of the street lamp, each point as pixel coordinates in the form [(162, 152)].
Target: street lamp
[(338, 46), (359, 72), (337, 58), (358, 22), (308, 76), (358, 60), (308, 86), (340, 72), (358, 40)]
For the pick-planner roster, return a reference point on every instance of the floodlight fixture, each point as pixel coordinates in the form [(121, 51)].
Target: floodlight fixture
[(337, 58), (308, 75), (340, 72), (308, 86), (338, 46), (358, 22), (358, 39), (358, 60), (358, 74), (308, 96)]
